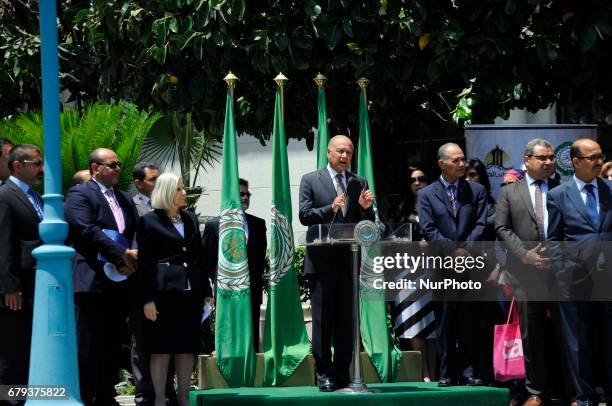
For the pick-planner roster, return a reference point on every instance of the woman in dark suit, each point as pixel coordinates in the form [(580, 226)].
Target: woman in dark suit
[(174, 287)]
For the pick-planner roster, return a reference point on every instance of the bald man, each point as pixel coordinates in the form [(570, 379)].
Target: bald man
[(332, 195), (98, 213)]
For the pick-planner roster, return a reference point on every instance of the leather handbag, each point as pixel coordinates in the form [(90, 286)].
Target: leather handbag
[(171, 276)]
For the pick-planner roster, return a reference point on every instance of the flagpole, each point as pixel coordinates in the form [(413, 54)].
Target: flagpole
[(281, 80)]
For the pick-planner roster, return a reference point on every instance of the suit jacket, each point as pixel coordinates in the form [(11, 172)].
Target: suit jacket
[(141, 206), (317, 193), (19, 236), (576, 243), (256, 252), (88, 213), (517, 228), (438, 223), (158, 240)]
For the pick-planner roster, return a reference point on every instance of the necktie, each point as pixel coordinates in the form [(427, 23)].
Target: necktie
[(340, 189), (452, 198), (116, 209), (591, 204), (38, 204), (539, 210)]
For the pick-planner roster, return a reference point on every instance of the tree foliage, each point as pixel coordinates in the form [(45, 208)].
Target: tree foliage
[(121, 127), (448, 61)]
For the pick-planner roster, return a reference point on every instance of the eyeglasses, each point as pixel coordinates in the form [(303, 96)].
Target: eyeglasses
[(593, 158), (421, 179), (243, 194), (111, 165), (544, 158), (35, 162)]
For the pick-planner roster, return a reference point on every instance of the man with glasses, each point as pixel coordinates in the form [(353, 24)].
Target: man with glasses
[(521, 219), (580, 218), (21, 211), (102, 222), (255, 229)]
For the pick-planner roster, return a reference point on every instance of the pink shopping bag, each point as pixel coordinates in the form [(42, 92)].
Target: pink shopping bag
[(508, 361)]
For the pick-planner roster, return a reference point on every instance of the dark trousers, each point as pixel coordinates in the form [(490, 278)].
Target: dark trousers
[(140, 357), (332, 321), (100, 322), (458, 340), (255, 312), (580, 323), (15, 342), (536, 344)]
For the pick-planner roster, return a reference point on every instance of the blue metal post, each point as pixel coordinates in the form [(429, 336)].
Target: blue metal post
[(53, 360)]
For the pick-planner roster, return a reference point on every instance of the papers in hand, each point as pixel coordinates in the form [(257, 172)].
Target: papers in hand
[(113, 273), (110, 270), (206, 312)]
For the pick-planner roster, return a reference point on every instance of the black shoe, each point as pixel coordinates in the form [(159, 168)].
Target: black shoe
[(326, 385), (474, 382), (444, 382)]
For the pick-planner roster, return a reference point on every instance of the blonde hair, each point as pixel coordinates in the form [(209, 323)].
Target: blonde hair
[(604, 169), (163, 193)]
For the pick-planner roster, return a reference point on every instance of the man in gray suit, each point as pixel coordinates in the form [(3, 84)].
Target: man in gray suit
[(332, 195), (144, 176), (521, 221)]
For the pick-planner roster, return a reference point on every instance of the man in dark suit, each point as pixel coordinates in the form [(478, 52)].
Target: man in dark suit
[(100, 216), (5, 148), (333, 195), (521, 220), (21, 210), (580, 231), (144, 176), (453, 213), (255, 229)]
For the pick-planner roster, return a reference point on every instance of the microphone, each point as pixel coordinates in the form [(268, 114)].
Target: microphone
[(332, 222)]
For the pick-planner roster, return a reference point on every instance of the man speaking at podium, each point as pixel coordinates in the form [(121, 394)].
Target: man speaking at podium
[(332, 196)]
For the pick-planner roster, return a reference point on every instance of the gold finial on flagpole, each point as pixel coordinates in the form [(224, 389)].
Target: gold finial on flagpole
[(281, 80), (363, 84), (320, 80), (231, 79)]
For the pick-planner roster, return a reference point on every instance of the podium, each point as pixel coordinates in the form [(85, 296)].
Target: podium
[(363, 234)]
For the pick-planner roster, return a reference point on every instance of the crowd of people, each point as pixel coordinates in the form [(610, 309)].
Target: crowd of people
[(141, 261)]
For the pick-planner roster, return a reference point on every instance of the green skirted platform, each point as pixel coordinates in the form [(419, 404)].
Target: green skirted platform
[(400, 394)]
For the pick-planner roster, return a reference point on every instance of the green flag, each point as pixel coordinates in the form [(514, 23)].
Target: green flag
[(233, 324), (375, 334), (285, 340), (322, 131)]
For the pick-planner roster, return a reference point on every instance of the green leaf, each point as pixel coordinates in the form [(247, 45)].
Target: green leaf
[(302, 38), (173, 25), (517, 92), (510, 8), (333, 36), (589, 39), (159, 54), (347, 26), (433, 71)]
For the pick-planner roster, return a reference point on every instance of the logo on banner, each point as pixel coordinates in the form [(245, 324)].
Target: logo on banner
[(497, 161), (564, 162), (513, 349)]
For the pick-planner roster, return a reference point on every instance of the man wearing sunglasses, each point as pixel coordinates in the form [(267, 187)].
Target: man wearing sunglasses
[(21, 210), (255, 229), (102, 222)]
